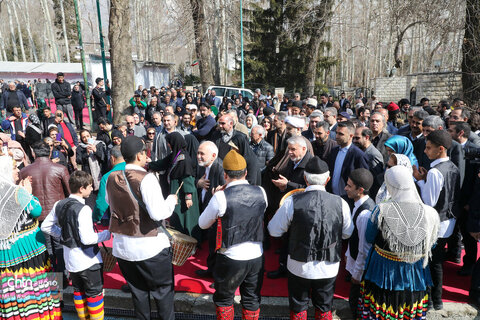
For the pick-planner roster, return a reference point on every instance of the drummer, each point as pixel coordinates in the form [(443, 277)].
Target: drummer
[(142, 250), (317, 221), (239, 210)]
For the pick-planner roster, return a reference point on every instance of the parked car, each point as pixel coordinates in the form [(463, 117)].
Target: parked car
[(222, 91)]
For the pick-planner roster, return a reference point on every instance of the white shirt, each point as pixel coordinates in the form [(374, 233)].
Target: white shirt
[(76, 259), (430, 190), (313, 269), (216, 209), (356, 266), (142, 248)]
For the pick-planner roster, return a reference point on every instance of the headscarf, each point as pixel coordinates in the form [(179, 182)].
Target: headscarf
[(180, 161), (408, 226), (12, 202), (403, 145), (402, 160), (254, 122)]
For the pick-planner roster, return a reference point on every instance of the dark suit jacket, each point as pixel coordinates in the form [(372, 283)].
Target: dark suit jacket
[(379, 143), (470, 174), (295, 176), (216, 179), (354, 159), (308, 134)]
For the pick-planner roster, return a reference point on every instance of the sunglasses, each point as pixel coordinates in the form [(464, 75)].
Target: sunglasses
[(59, 115), (150, 132)]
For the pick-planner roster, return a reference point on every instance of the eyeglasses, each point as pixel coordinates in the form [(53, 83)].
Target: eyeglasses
[(130, 122), (59, 115), (150, 132)]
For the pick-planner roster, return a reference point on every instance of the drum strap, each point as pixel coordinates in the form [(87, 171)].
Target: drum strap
[(161, 224)]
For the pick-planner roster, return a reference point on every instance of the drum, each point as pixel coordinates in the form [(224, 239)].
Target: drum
[(183, 247), (109, 261), (289, 193)]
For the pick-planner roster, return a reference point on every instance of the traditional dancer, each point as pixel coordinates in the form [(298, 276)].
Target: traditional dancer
[(71, 221), (238, 210), (317, 221)]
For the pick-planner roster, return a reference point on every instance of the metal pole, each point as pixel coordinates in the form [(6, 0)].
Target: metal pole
[(241, 42), (84, 68), (102, 46)]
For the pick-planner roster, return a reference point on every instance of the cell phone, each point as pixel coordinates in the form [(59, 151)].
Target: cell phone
[(58, 137), (90, 140), (5, 150), (55, 154)]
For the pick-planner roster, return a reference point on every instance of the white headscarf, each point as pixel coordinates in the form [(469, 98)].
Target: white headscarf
[(407, 225), (11, 203), (402, 160)]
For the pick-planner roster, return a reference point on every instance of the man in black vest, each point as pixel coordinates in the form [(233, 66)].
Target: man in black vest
[(317, 222), (440, 188), (238, 210), (209, 177), (358, 186)]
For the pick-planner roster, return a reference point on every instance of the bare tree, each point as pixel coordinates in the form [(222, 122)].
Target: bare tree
[(12, 33), (121, 60), (26, 18), (19, 30), (471, 53), (65, 35)]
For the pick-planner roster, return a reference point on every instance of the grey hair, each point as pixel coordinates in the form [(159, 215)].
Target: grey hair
[(433, 121), (300, 140), (381, 115), (281, 115), (320, 179), (316, 114), (415, 109), (157, 113), (116, 152), (324, 124), (420, 114), (332, 110), (211, 146), (260, 130)]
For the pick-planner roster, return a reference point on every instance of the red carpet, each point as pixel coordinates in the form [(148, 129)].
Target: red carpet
[(53, 106), (455, 288)]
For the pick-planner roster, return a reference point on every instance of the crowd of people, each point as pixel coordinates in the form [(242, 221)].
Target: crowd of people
[(393, 186)]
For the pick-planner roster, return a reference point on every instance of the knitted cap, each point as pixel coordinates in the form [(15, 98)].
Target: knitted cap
[(234, 161)]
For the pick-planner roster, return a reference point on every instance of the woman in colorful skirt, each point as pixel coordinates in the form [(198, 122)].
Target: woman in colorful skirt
[(402, 231), (28, 292)]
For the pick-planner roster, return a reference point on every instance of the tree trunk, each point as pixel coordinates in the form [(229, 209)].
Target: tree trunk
[(12, 33), (471, 53), (19, 30), (65, 36), (323, 12), (26, 17), (49, 30), (120, 40), (201, 43), (2, 46)]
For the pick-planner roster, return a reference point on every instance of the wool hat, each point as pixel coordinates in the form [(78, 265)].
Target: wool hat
[(393, 107), (295, 121), (131, 145), (234, 161), (297, 104), (316, 166)]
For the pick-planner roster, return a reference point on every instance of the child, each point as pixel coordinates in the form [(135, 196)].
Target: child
[(71, 221), (440, 187)]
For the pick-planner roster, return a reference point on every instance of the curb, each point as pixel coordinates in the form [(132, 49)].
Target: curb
[(202, 304)]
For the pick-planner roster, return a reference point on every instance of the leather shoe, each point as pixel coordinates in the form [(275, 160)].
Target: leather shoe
[(203, 273), (465, 271), (280, 273), (126, 288), (453, 258), (438, 306)]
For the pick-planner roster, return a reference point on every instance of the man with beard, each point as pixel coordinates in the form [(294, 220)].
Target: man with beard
[(231, 138), (292, 178), (323, 145), (209, 176), (205, 125)]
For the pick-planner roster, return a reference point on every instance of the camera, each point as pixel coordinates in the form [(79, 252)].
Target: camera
[(472, 154)]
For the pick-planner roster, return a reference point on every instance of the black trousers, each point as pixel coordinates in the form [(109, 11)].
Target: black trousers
[(153, 277), (55, 251), (436, 269), (89, 280), (469, 243), (230, 274), (78, 118), (475, 285), (300, 290), (212, 243), (353, 298)]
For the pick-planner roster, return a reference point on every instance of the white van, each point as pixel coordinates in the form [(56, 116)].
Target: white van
[(221, 91)]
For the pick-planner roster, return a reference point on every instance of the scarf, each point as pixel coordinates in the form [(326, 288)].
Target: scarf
[(95, 169), (408, 229)]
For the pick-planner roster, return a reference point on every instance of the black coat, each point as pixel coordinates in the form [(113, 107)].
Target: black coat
[(78, 100), (295, 175), (62, 92), (216, 179)]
